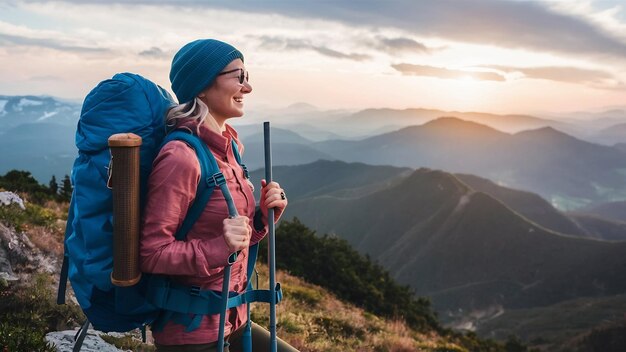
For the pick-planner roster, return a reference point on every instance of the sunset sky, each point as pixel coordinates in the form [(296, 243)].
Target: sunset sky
[(476, 55)]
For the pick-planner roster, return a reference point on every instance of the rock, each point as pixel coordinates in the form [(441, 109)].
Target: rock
[(7, 198), (6, 272), (64, 341), (21, 251)]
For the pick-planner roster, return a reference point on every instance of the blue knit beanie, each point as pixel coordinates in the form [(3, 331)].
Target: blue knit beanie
[(196, 65)]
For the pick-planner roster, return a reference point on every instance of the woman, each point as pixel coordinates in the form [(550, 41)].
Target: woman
[(210, 81)]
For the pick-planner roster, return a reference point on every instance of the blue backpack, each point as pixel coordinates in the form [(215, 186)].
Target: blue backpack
[(131, 103)]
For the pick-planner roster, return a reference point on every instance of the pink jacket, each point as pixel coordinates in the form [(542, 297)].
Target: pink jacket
[(201, 258)]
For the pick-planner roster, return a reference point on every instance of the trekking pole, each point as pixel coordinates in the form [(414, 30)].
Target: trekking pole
[(272, 242), (232, 212)]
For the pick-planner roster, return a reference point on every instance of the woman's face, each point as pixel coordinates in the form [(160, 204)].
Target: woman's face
[(225, 96)]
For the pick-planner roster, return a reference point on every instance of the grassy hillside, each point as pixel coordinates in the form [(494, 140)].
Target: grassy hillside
[(310, 317)]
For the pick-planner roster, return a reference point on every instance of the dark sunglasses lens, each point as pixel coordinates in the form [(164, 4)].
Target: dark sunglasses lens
[(243, 75)]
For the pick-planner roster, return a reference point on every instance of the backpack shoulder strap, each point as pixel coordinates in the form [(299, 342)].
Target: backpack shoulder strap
[(238, 158), (210, 177)]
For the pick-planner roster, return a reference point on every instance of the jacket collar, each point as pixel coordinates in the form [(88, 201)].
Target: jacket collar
[(218, 143)]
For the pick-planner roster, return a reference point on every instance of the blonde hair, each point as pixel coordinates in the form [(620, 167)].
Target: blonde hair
[(196, 110)]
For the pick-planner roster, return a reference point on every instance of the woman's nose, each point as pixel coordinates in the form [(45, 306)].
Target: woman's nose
[(247, 87)]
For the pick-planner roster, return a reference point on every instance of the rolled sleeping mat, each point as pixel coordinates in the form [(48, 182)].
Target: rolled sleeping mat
[(124, 181)]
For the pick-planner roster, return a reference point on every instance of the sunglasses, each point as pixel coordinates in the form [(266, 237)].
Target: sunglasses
[(243, 74)]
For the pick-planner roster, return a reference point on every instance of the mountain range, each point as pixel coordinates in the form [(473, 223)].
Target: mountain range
[(37, 135), (569, 172), (484, 239), (475, 248)]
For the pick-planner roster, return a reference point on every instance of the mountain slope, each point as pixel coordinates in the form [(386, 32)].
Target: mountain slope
[(282, 154), (569, 172), (612, 134), (611, 210), (446, 143), (601, 228), (331, 177), (527, 204), (465, 249)]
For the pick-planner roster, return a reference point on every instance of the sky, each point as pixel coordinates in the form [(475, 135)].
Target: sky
[(500, 56)]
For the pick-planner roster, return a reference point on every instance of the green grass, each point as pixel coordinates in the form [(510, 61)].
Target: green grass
[(28, 312), (128, 343), (305, 295), (20, 219)]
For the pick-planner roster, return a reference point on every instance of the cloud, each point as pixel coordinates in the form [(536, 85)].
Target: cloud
[(154, 52), (593, 78), (513, 24), (401, 44), (532, 25), (445, 73), (280, 43), (339, 55), (50, 43)]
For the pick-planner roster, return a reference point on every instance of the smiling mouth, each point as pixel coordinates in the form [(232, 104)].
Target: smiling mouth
[(238, 100)]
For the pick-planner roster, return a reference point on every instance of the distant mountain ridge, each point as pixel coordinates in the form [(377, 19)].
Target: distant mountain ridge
[(17, 110), (476, 256), (610, 210), (415, 116), (567, 171), (37, 134)]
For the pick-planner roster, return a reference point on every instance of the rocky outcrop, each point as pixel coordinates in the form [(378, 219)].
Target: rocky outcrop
[(16, 249), (6, 272), (64, 341), (8, 198)]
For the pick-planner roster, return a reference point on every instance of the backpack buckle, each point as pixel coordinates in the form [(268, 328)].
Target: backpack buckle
[(194, 290), (216, 179)]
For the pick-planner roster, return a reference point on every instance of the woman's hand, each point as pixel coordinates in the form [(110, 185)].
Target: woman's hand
[(272, 196), (237, 232)]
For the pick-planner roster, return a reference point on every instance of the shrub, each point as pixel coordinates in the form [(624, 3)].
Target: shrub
[(30, 312), (306, 295), (23, 338), (333, 264), (13, 215)]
